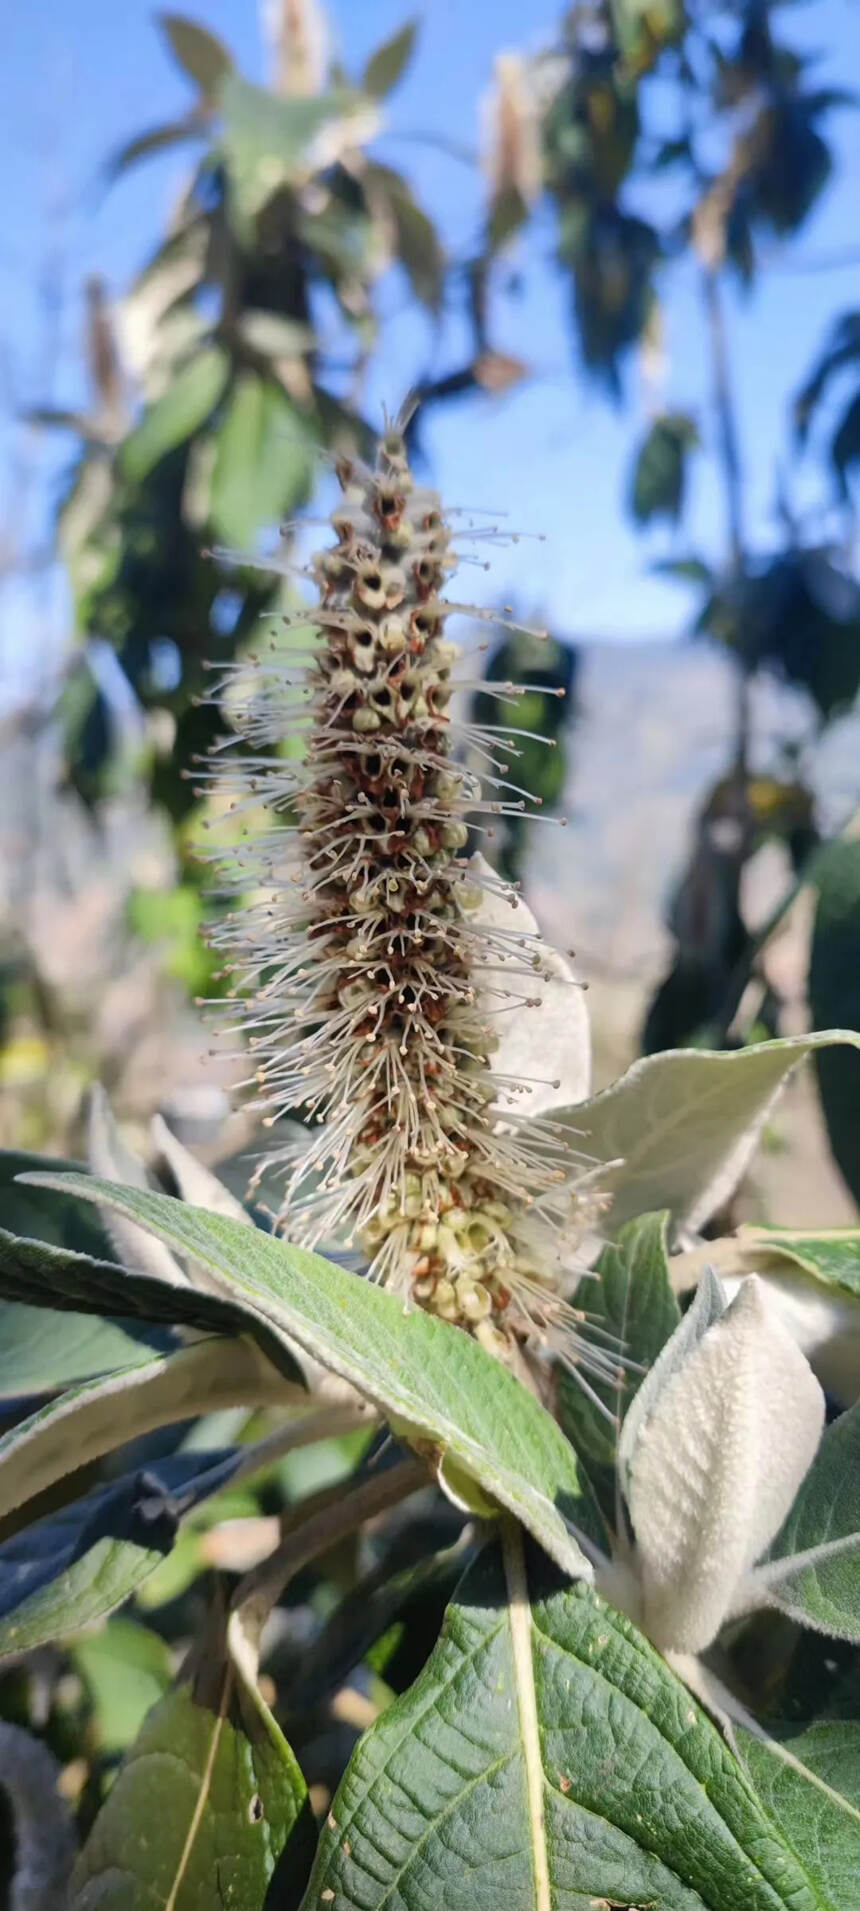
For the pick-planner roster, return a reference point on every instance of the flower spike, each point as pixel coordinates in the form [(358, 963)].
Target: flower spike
[(379, 971)]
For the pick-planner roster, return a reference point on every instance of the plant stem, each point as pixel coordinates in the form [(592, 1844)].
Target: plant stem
[(261, 1588)]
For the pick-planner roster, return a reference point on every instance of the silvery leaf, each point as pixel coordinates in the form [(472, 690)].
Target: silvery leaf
[(548, 1038), (707, 1306), (717, 1466)]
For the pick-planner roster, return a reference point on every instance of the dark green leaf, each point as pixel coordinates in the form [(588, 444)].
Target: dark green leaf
[(546, 1760), (186, 405), (389, 62), (437, 1385), (834, 987), (824, 1525), (73, 1568), (845, 443), (816, 1807), (659, 474), (630, 1313), (418, 247), (841, 351), (199, 53), (207, 1803)]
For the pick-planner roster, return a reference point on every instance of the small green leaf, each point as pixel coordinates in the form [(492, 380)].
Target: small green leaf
[(126, 1669), (416, 240), (73, 1568), (810, 1787), (200, 53), (275, 336), (547, 1751), (208, 1802), (659, 474), (832, 1255), (834, 986), (822, 1588), (631, 1312), (437, 1385), (683, 1125), (386, 66), (184, 408), (155, 140), (262, 462)]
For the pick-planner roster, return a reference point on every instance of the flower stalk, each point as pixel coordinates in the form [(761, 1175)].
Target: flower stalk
[(378, 968)]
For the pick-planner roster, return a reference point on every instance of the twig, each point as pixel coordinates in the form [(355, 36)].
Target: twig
[(260, 1589)]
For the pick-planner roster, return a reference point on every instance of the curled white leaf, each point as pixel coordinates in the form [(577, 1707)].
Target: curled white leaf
[(544, 1044), (717, 1466)]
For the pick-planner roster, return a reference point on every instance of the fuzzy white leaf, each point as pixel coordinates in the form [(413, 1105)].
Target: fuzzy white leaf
[(544, 1047), (707, 1306), (717, 1467), (111, 1160)]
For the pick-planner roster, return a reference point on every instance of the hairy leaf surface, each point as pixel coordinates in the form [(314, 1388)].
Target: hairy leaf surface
[(438, 1387), (548, 1760)]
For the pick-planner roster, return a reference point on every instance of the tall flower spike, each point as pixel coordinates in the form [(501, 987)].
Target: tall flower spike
[(378, 965)]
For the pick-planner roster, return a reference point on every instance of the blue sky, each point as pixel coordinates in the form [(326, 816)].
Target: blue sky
[(78, 78)]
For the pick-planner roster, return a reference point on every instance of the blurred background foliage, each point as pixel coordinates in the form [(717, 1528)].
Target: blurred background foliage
[(648, 139)]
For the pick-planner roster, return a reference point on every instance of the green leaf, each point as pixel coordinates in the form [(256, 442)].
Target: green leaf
[(832, 1255), (126, 1668), (816, 1807), (275, 336), (185, 406), (155, 140), (73, 1568), (66, 1223), (438, 1387), (659, 473), (823, 1527), (679, 1129), (270, 143), (262, 462), (548, 1752), (91, 1420), (208, 1801), (31, 1270), (42, 1350), (416, 240), (386, 66), (630, 1313), (834, 984), (200, 53)]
